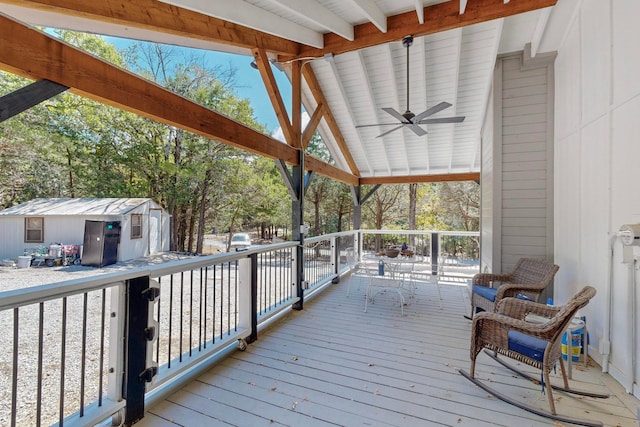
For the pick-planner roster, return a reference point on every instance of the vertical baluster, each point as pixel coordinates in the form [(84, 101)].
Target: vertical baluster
[(221, 296), (83, 361), (63, 355), (191, 312), (206, 292), (181, 312), (14, 372), (213, 303), (201, 319), (170, 320), (40, 350), (102, 332)]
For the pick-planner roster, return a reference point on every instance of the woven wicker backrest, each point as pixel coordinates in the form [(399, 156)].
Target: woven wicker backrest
[(569, 310), (530, 271)]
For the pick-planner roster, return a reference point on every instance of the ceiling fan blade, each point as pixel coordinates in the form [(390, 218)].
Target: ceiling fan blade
[(377, 124), (417, 130), (435, 109), (458, 119), (389, 131), (395, 114)]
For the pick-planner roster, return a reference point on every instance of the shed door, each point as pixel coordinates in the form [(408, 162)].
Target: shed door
[(155, 231)]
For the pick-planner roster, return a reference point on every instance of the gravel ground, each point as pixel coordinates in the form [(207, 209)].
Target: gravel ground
[(12, 278), (18, 278)]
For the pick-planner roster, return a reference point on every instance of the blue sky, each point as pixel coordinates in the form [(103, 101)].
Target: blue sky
[(248, 82)]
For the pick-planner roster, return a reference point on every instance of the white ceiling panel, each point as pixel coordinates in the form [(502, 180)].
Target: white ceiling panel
[(455, 66)]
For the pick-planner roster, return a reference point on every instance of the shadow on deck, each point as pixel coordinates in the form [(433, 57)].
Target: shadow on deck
[(333, 364)]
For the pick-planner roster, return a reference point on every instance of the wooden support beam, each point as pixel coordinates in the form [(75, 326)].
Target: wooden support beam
[(471, 176), (439, 17), (262, 61), (35, 55), (24, 98), (316, 90), (296, 104), (312, 125), (313, 164), (153, 15)]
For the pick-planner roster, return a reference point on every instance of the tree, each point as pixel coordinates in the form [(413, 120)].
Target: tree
[(383, 208)]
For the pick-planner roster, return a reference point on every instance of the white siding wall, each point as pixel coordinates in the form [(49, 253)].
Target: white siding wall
[(57, 229), (597, 171), (523, 160), (69, 229)]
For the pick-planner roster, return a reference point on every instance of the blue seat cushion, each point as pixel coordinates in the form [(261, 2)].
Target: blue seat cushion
[(485, 292), (526, 344)]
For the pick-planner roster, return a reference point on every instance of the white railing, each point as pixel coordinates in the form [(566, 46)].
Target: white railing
[(85, 350)]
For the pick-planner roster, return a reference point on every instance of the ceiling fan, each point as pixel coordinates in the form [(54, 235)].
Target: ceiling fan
[(410, 120)]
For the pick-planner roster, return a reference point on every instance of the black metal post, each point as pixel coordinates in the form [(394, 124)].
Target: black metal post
[(435, 253), (336, 257), (298, 218), (135, 348)]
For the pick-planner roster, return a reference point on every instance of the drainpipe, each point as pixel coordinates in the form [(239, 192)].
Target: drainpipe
[(605, 343), (634, 319)]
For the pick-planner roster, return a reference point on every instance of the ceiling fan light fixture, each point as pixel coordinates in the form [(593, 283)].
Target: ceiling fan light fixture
[(408, 118)]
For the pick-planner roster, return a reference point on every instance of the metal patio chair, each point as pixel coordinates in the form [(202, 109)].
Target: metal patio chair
[(355, 268), (381, 284)]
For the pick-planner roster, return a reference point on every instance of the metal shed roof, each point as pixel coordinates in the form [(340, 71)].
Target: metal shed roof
[(80, 206)]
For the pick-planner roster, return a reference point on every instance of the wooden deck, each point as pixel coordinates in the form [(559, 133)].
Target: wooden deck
[(333, 364)]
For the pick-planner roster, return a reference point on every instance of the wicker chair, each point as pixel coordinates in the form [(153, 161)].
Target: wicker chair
[(536, 344), (527, 281)]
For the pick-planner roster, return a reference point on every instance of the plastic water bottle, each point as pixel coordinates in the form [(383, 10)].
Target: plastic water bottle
[(550, 302), (380, 268)]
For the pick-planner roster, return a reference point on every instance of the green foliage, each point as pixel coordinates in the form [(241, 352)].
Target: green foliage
[(70, 146)]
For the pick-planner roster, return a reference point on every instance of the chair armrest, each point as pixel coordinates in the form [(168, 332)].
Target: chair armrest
[(494, 328), (483, 279), (512, 289), (518, 309)]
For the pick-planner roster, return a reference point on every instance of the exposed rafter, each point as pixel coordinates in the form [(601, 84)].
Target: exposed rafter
[(252, 17), (341, 85), (371, 103), (373, 14), (473, 176), (155, 16), (264, 66), (396, 96), (456, 78), (35, 55), (463, 6), (321, 16), (312, 126), (420, 11), (439, 17), (540, 27), (316, 90)]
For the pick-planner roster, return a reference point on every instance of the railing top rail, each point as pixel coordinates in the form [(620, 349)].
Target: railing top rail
[(421, 232), (36, 294), (329, 236), (41, 293)]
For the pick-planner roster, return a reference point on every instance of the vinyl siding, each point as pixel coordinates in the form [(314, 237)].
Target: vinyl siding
[(523, 91)]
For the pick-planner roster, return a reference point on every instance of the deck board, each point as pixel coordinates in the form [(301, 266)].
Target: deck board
[(334, 364)]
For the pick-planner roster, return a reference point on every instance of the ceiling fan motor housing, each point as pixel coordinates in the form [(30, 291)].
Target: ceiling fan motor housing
[(407, 41)]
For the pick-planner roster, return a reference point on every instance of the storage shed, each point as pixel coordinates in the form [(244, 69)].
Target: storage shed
[(41, 222)]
